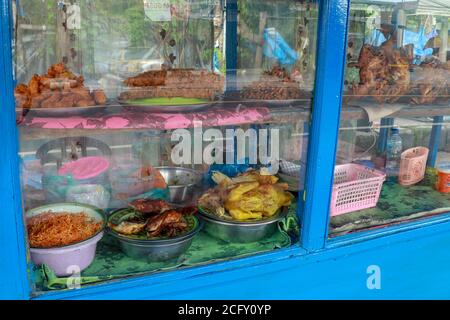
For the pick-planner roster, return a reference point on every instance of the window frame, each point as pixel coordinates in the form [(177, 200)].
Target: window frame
[(315, 201)]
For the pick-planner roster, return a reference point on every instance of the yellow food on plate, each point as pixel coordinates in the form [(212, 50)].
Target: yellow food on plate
[(250, 196)]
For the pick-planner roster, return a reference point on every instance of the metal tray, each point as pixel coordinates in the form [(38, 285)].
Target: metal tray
[(179, 108), (62, 112), (282, 212), (241, 232)]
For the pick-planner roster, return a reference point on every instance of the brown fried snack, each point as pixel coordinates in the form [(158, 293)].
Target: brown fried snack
[(50, 102), (22, 101), (59, 88), (187, 83), (22, 89), (33, 85), (100, 97), (148, 79), (85, 103)]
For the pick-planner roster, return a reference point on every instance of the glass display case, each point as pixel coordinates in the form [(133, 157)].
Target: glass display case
[(217, 148), (158, 135), (392, 161)]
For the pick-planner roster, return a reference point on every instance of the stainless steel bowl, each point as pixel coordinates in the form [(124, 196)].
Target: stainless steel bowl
[(181, 182), (156, 250), (241, 232)]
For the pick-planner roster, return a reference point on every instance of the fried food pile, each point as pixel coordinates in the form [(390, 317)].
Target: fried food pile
[(430, 83), (387, 75), (186, 83), (59, 88), (249, 196), (51, 229), (154, 218), (384, 72), (275, 84)]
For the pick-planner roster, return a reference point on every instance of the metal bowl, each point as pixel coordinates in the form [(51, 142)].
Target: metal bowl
[(156, 250), (181, 182), (239, 231)]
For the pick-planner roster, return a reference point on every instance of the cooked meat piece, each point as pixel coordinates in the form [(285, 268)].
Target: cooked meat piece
[(50, 102), (33, 85), (150, 206), (67, 101), (22, 89), (45, 91), (147, 79), (22, 101), (159, 222), (100, 97)]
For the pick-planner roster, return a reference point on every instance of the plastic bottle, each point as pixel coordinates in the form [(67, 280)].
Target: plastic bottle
[(394, 150)]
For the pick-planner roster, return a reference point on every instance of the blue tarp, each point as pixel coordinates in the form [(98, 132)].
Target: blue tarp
[(275, 47)]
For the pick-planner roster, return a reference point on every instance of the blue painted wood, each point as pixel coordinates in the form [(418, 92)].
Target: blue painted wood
[(231, 44), (387, 231), (413, 265), (435, 140), (333, 18), (405, 253), (13, 276), (386, 124)]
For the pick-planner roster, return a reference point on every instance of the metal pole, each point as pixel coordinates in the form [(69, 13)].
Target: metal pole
[(13, 267), (332, 44)]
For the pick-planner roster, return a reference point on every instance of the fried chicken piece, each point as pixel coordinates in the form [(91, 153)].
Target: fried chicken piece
[(22, 88), (150, 206), (50, 102), (59, 88), (383, 72), (37, 101), (99, 97), (22, 101), (157, 224), (34, 84), (67, 100), (56, 69), (81, 93)]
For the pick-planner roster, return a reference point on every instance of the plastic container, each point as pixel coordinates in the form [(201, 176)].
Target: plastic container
[(443, 180), (156, 250), (85, 168), (85, 171), (393, 153), (93, 194), (413, 165), (65, 260), (356, 187)]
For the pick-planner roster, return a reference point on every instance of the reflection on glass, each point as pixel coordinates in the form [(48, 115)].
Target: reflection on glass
[(392, 162), (139, 119)]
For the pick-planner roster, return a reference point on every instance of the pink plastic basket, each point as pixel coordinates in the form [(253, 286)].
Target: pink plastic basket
[(356, 187), (413, 164)]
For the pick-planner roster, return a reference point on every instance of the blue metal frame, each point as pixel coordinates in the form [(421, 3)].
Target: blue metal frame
[(435, 140), (296, 267), (326, 112), (231, 47), (386, 124), (13, 266)]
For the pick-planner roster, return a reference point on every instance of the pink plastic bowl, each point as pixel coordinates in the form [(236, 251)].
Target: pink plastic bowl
[(67, 260)]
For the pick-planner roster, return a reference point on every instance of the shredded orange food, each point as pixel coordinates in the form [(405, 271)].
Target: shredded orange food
[(49, 229)]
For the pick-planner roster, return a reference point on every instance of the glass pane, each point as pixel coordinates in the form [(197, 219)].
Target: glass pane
[(156, 115), (392, 162)]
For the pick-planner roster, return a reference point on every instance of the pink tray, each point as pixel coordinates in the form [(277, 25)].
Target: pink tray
[(85, 168)]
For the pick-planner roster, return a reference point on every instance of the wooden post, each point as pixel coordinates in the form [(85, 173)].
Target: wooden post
[(444, 40), (259, 48), (62, 37), (401, 24)]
